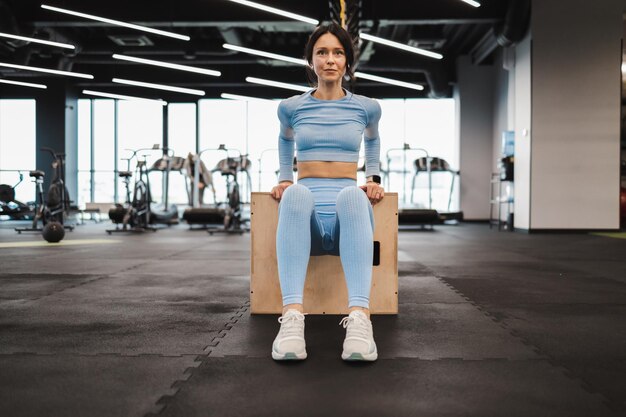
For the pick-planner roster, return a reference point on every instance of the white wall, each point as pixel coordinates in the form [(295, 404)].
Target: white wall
[(474, 94), (576, 58), (523, 133)]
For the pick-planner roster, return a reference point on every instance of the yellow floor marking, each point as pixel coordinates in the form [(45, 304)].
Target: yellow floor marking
[(613, 235), (35, 243)]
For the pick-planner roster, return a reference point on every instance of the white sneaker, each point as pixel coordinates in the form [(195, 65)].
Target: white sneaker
[(359, 344), (289, 343)]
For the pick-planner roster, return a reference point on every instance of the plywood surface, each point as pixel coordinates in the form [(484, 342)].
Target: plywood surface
[(325, 289)]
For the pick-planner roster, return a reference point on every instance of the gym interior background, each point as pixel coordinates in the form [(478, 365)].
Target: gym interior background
[(517, 127)]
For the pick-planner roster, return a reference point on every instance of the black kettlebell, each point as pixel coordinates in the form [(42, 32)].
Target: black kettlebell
[(53, 232)]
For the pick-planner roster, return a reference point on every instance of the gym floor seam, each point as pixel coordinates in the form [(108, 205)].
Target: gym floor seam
[(176, 385), (166, 399), (611, 404)]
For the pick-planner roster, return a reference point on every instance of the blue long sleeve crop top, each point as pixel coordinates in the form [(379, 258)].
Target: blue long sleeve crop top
[(328, 130)]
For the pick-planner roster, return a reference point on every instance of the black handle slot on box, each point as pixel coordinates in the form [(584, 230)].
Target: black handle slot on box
[(376, 261)]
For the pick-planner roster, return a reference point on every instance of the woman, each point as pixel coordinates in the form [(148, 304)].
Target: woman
[(326, 213)]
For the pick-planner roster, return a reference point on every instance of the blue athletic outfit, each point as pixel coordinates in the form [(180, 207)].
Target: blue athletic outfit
[(326, 216)]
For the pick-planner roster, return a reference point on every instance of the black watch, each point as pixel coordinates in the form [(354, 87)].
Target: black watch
[(374, 178)]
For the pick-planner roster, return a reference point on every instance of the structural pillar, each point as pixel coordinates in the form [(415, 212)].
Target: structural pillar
[(57, 128), (474, 97)]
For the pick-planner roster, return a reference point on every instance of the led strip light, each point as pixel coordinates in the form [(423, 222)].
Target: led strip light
[(35, 40), (277, 11), (23, 84), (159, 86), (122, 97), (167, 65), (243, 98), (402, 46), (46, 70), (472, 3), (388, 81), (117, 22), (265, 54), (277, 84)]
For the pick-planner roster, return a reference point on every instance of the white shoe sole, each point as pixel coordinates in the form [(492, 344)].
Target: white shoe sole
[(288, 356), (368, 357)]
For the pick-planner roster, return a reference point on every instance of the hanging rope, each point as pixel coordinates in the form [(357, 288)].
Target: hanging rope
[(347, 14), (342, 14)]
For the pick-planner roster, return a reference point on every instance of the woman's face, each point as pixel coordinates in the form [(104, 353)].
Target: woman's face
[(329, 59)]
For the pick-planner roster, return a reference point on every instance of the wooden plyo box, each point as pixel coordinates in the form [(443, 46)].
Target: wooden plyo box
[(325, 290)]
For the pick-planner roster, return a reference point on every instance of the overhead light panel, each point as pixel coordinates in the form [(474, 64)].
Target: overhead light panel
[(265, 54), (22, 84), (159, 87), (277, 11), (242, 98), (122, 97), (277, 84), (398, 45), (168, 65), (35, 40), (117, 23), (472, 3), (46, 70), (388, 81)]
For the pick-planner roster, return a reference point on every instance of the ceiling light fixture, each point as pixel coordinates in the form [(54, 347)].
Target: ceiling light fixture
[(265, 54), (277, 84), (277, 11), (388, 81), (159, 86), (46, 70), (472, 3), (3, 81), (398, 45), (243, 98), (41, 41), (123, 97), (117, 23), (168, 65)]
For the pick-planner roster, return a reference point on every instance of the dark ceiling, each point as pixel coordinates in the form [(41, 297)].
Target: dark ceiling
[(450, 27)]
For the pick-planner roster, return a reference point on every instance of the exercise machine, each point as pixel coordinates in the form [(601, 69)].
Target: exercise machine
[(227, 213), (164, 212), (199, 215), (410, 216), (432, 166), (9, 205), (134, 215), (205, 180), (55, 207)]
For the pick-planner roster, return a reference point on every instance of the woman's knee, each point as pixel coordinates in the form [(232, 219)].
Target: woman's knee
[(353, 201), (351, 196), (297, 197)]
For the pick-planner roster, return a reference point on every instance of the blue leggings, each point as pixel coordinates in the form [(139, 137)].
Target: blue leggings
[(325, 216)]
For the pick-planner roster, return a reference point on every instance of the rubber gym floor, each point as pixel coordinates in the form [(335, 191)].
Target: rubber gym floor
[(490, 324)]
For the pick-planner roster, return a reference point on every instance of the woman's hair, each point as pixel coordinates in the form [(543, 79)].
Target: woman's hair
[(344, 39)]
